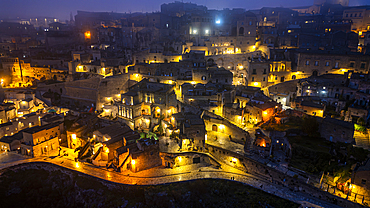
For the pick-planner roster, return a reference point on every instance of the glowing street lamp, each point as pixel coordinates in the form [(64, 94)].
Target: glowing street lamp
[(87, 35)]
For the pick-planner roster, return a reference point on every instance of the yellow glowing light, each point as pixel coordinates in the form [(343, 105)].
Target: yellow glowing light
[(179, 158), (133, 162), (222, 127), (87, 35), (193, 82), (240, 67), (234, 159), (264, 113), (169, 81), (77, 165), (255, 83), (191, 100), (158, 110), (107, 150), (73, 136)]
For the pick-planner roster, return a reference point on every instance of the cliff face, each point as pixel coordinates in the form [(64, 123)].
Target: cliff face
[(46, 185)]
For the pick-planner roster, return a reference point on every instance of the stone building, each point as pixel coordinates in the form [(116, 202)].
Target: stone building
[(322, 62), (262, 145), (8, 111), (360, 16), (280, 71), (335, 130), (145, 155), (260, 110), (86, 93), (258, 73), (145, 102), (20, 123), (132, 153), (41, 140), (147, 57), (110, 139), (192, 131), (309, 105), (361, 175), (355, 112), (219, 125), (11, 143)]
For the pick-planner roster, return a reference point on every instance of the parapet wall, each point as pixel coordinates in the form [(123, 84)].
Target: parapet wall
[(246, 164)]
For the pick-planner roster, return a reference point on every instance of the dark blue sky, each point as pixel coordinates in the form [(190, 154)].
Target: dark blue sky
[(62, 8)]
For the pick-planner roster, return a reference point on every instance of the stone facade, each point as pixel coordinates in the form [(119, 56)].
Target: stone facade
[(258, 73), (336, 130), (320, 62), (361, 175), (41, 140)]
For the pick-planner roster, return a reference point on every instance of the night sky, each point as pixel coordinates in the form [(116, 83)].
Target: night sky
[(62, 8)]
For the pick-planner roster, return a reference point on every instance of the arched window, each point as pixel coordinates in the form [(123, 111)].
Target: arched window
[(294, 77), (241, 31), (214, 127)]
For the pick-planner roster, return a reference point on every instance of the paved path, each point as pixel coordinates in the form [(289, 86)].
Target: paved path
[(162, 175), (362, 140)]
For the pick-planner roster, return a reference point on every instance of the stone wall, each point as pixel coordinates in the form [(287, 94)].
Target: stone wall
[(186, 158), (146, 159), (248, 165), (224, 126)]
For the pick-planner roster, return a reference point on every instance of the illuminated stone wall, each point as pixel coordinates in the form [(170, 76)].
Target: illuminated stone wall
[(258, 73), (223, 126), (324, 62), (149, 158)]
